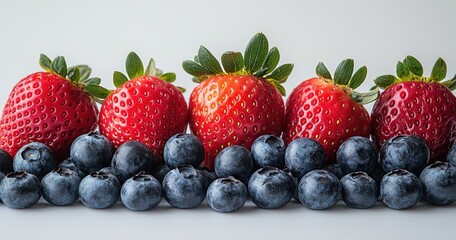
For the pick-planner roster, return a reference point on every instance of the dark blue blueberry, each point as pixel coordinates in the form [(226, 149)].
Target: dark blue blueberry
[(2, 175), (6, 162), (439, 183), (20, 190), (91, 152), (451, 156), (400, 189), (209, 176), (184, 187), (61, 187), (160, 171), (35, 158), (359, 190), (182, 149), (131, 158), (271, 188), (304, 155), (335, 169), (69, 164), (319, 189), (141, 192), (226, 195), (357, 154), (236, 161), (404, 152), (111, 171), (268, 150), (99, 190), (378, 173)]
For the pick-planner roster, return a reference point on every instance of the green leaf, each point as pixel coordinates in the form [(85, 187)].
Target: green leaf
[(74, 75), (59, 66), (97, 91), (260, 73), (119, 79), (94, 80), (181, 89), (281, 73), (208, 61), (196, 59), (439, 70), (414, 65), (150, 69), (385, 81), (365, 98), (279, 87), (402, 71), (232, 62), (272, 60), (358, 78), (168, 77), (323, 72), (256, 53), (45, 62), (344, 72), (195, 69), (84, 71), (134, 66), (451, 84)]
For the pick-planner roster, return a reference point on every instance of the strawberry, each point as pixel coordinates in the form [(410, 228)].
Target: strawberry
[(236, 105), (328, 110), (416, 105), (145, 107), (52, 107)]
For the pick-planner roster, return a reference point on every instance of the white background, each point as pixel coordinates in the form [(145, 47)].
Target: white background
[(101, 33)]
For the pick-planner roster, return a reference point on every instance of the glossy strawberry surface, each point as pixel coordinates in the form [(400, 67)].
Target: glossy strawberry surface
[(45, 107), (424, 109), (234, 110), (323, 111), (146, 109)]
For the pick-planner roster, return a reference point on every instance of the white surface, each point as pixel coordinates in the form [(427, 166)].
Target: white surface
[(101, 33)]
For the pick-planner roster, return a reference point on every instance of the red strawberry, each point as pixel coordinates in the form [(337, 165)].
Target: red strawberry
[(327, 110), (52, 107), (416, 105), (235, 106), (147, 108)]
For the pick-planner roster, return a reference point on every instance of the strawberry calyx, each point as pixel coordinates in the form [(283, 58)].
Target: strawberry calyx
[(348, 81), (79, 75), (135, 69), (258, 61), (411, 70)]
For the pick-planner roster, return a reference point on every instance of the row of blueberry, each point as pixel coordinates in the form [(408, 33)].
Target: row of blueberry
[(269, 187)]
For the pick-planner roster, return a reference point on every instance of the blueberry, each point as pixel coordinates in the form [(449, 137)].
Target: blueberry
[(111, 171), (209, 176), (2, 175), (268, 150), (236, 161), (60, 187), (271, 188), (400, 189), (6, 162), (357, 154), (131, 158), (160, 171), (359, 190), (226, 195), (184, 187), (404, 152), (91, 152), (335, 169), (141, 192), (451, 156), (20, 190), (319, 189), (439, 183), (182, 149), (35, 158), (99, 190), (304, 155), (378, 173), (69, 164)]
